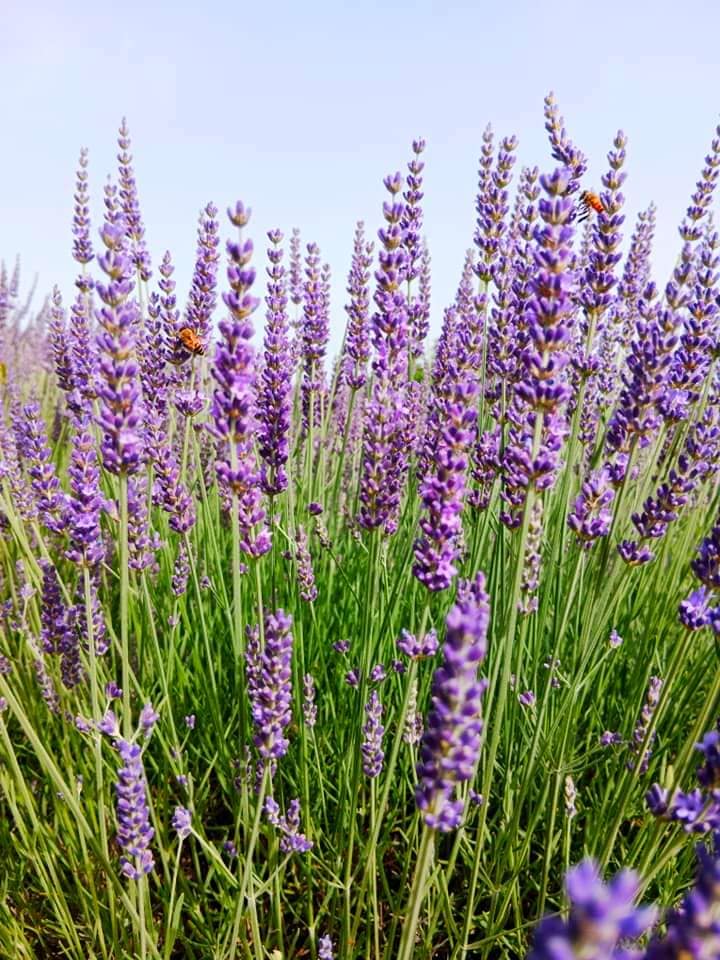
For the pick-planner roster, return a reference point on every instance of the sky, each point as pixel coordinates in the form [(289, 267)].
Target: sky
[(301, 109)]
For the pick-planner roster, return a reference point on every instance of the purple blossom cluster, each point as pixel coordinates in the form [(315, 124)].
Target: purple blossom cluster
[(49, 497), (118, 382), (537, 417), (451, 741), (134, 830), (275, 388), (373, 730), (233, 406), (292, 840), (698, 810), (357, 343), (602, 918), (269, 684), (383, 441)]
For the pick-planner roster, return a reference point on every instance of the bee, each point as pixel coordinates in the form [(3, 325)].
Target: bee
[(188, 339), (589, 201)]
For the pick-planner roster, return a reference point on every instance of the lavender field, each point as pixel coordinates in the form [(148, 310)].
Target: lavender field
[(410, 652)]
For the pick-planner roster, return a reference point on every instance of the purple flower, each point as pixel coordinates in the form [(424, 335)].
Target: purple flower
[(352, 678), (269, 685), (292, 840), (131, 207), (693, 930), (55, 624), (203, 297), (134, 830), (451, 742), (315, 333), (695, 609), (118, 387), (357, 343), (325, 948), (233, 400), (701, 199), (142, 542), (58, 625), (527, 699), (173, 495), (384, 446), (442, 490), (59, 346), (230, 848), (148, 719), (295, 284), (373, 730), (492, 204), (109, 725), (537, 418), (635, 554), (50, 499), (610, 739), (83, 356), (341, 646), (113, 691), (378, 674), (591, 515), (563, 149), (82, 245), (182, 822), (417, 255), (615, 640), (169, 317), (274, 394), (85, 502), (418, 649), (709, 773), (601, 916), (190, 721)]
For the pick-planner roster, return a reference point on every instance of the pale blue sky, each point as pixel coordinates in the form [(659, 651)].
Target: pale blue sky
[(301, 109)]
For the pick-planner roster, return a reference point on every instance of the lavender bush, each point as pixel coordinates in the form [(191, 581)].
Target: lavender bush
[(405, 654)]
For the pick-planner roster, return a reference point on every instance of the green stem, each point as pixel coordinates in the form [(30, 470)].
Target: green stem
[(417, 894), (124, 593)]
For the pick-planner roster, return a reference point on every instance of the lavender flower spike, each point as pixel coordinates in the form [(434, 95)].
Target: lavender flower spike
[(357, 343), (269, 685), (118, 388), (233, 399), (451, 742), (134, 830), (49, 496), (82, 245), (371, 747), (274, 394)]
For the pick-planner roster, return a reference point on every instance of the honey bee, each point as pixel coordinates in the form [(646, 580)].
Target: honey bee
[(589, 201), (191, 341)]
